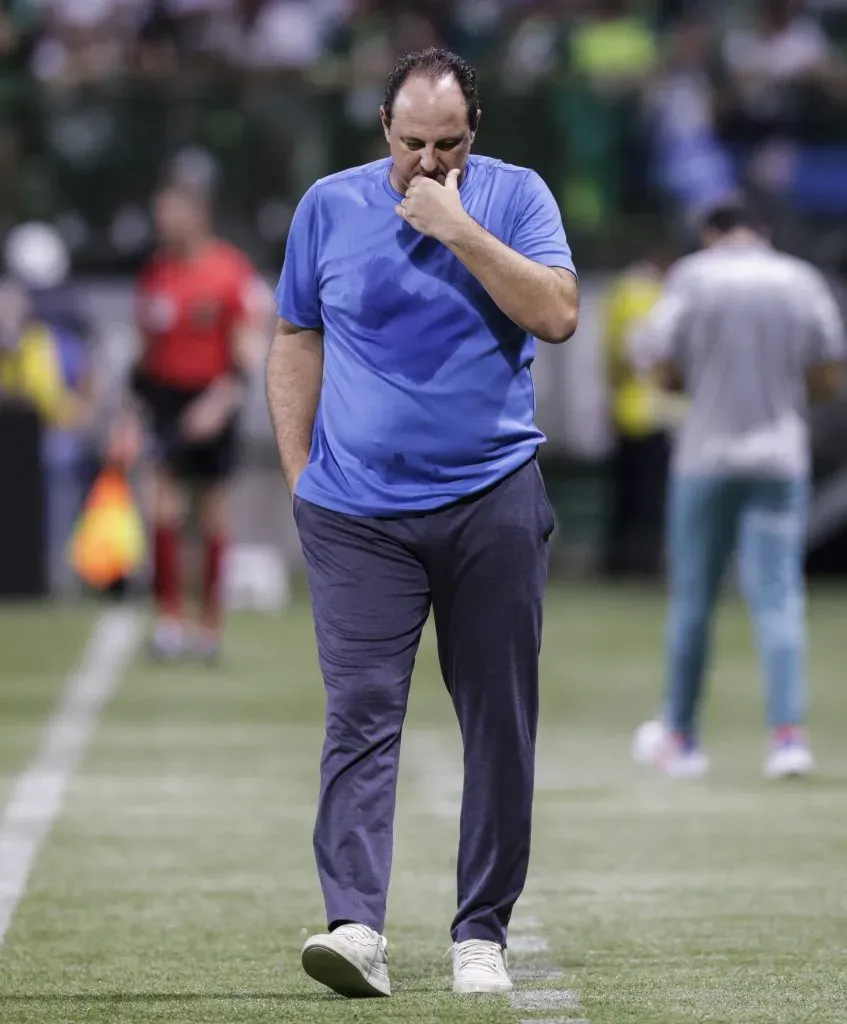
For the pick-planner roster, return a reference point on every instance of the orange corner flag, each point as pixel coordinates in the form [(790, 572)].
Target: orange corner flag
[(108, 543)]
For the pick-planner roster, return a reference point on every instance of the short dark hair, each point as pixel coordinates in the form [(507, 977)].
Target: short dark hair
[(435, 64), (195, 194), (730, 216)]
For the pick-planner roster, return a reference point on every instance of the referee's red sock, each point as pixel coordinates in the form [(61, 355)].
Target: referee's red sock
[(166, 572), (214, 548)]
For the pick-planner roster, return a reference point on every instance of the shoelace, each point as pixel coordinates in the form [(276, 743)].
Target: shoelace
[(484, 955), (362, 934)]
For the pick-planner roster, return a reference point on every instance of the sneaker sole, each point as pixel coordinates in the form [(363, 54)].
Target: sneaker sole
[(480, 990), (791, 773), (328, 967)]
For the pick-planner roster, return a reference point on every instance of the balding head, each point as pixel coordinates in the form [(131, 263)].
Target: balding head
[(429, 116)]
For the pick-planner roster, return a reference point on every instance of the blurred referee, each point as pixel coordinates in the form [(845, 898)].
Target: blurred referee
[(749, 334), (200, 306)]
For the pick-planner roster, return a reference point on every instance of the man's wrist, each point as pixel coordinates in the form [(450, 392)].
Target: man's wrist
[(460, 230)]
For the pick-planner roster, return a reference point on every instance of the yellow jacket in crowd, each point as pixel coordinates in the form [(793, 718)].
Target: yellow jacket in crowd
[(635, 400), (32, 371)]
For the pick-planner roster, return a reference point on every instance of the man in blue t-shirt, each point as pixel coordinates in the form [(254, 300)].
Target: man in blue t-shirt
[(399, 385)]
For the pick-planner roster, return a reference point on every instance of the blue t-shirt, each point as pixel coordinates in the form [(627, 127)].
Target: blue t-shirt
[(427, 394)]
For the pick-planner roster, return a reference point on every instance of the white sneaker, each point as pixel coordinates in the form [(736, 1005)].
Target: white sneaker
[(648, 741), (168, 641), (479, 966), (352, 961), (654, 744), (206, 646), (787, 760)]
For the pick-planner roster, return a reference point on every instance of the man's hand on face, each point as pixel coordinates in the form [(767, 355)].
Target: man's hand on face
[(434, 210)]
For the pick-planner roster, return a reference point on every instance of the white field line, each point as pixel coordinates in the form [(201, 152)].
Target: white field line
[(535, 972), (437, 771), (438, 774), (38, 792), (553, 1020), (525, 936), (533, 944), (545, 999)]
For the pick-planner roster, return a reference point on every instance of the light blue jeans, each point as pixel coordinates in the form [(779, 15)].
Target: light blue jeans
[(763, 519)]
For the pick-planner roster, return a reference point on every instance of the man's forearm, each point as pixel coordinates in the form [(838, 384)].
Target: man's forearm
[(542, 300), (293, 383)]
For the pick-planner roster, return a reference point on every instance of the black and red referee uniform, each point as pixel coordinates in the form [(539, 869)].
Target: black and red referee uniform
[(188, 310)]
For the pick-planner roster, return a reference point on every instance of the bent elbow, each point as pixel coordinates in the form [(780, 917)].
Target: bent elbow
[(561, 327)]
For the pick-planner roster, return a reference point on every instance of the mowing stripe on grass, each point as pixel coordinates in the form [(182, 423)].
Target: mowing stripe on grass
[(36, 797), (438, 771)]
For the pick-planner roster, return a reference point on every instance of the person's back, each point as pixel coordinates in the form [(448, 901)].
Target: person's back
[(755, 321), (746, 332)]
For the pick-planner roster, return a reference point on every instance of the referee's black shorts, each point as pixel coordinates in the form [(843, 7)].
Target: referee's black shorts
[(209, 461)]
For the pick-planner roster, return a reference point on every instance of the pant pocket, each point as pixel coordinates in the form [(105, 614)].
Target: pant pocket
[(546, 504), (296, 508)]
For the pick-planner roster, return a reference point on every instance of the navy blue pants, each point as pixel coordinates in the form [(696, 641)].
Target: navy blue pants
[(481, 565)]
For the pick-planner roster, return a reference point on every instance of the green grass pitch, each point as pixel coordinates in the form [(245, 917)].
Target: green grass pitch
[(177, 883)]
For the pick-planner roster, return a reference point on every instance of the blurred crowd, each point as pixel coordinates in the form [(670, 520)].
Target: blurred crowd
[(68, 42), (624, 106), (48, 402), (638, 114)]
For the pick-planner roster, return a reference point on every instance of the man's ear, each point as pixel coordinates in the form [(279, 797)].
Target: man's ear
[(386, 124), (478, 119)]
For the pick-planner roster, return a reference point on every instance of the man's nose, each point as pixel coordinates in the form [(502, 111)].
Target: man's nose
[(429, 160)]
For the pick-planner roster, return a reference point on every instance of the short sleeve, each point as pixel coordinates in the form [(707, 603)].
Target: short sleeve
[(251, 299), (143, 304), (827, 340), (297, 294), (657, 339), (538, 232)]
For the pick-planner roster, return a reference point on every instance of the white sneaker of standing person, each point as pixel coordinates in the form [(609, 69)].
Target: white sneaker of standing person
[(168, 641), (479, 966), (670, 753), (206, 646), (790, 755), (351, 960)]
